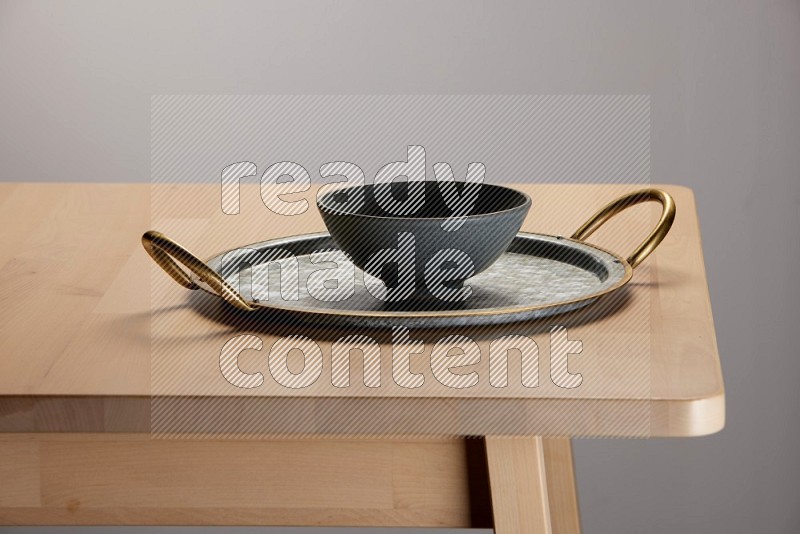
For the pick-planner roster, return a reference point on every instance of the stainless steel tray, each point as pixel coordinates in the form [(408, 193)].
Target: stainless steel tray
[(538, 276)]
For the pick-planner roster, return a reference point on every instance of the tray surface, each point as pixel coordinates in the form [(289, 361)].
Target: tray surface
[(538, 276)]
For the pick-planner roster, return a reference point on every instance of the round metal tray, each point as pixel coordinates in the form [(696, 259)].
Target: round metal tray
[(538, 276)]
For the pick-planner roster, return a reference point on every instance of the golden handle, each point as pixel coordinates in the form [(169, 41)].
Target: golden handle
[(656, 236), (163, 249)]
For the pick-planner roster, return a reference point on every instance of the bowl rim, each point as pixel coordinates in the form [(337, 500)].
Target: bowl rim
[(326, 209)]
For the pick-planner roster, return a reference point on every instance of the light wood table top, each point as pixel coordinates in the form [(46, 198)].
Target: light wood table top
[(87, 320)]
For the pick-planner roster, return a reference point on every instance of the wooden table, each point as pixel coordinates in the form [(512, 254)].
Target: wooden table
[(80, 328)]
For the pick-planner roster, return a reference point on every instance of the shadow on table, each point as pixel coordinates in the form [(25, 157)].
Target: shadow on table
[(283, 323)]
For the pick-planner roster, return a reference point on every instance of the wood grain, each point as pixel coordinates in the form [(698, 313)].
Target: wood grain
[(520, 502), (118, 479), (562, 492), (533, 485), (78, 345)]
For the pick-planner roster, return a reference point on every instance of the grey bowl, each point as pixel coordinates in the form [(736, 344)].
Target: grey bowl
[(361, 227)]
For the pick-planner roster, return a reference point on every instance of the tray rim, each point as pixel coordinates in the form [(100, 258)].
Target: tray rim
[(427, 314)]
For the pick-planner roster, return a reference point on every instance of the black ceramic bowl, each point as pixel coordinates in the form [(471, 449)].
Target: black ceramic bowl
[(362, 228)]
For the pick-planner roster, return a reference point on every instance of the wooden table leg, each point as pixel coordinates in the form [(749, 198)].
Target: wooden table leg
[(561, 489), (519, 485), (532, 485)]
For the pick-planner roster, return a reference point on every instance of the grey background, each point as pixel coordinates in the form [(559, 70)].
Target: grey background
[(724, 80)]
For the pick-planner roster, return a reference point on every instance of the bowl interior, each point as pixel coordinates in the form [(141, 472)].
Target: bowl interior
[(491, 199)]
